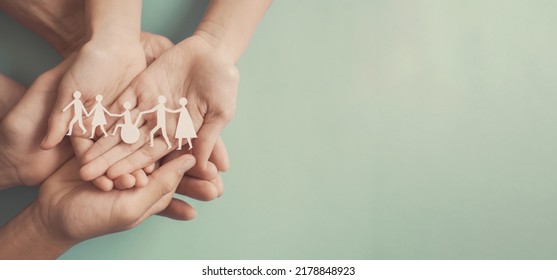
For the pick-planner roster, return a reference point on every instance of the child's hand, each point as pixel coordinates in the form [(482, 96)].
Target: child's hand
[(154, 45), (99, 68), (192, 69)]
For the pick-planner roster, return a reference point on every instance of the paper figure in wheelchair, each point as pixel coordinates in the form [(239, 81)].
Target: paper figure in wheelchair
[(129, 133)]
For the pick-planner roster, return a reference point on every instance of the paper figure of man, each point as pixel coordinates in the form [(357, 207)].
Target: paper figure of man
[(161, 110), (78, 110)]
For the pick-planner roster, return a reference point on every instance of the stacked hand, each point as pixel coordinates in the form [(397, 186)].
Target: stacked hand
[(93, 184), (192, 69)]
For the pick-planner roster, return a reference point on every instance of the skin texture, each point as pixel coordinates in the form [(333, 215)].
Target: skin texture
[(56, 221), (111, 58), (200, 68), (21, 130)]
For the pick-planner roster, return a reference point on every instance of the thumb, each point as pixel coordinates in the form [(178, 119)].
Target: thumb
[(164, 180), (58, 121)]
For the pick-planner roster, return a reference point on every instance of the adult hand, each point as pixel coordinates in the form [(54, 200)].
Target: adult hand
[(21, 131), (69, 210)]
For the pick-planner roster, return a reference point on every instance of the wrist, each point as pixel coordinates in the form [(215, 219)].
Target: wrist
[(114, 21), (115, 36), (110, 48), (59, 22), (26, 236), (214, 34)]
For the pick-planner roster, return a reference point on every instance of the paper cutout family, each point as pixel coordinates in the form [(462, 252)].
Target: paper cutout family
[(129, 133)]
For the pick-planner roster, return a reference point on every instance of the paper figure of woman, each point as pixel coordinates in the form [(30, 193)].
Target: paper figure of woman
[(185, 128), (99, 118)]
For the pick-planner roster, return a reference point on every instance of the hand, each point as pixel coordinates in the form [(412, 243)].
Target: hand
[(100, 68), (151, 46), (192, 69), (21, 131), (69, 210), (74, 210)]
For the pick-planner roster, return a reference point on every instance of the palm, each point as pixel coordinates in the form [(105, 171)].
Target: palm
[(192, 70), (95, 70)]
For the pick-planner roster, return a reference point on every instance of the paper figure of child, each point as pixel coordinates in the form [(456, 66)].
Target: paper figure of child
[(185, 128), (161, 110), (98, 116), (78, 110), (129, 133)]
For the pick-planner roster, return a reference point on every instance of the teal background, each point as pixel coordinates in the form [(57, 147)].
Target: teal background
[(365, 130)]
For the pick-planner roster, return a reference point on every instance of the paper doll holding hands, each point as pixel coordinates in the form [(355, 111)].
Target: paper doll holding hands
[(128, 131), (161, 110), (185, 128), (78, 110), (99, 118)]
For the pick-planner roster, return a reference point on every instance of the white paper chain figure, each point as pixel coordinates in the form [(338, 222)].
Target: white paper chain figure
[(78, 110), (161, 110), (129, 133), (98, 116), (185, 128)]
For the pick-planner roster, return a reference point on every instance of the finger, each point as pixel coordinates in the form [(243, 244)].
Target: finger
[(149, 169), (219, 156), (178, 210), (140, 178), (58, 121), (103, 183), (126, 181), (163, 181), (96, 166), (197, 189), (145, 156), (209, 173), (10, 93), (219, 184), (207, 138), (81, 145)]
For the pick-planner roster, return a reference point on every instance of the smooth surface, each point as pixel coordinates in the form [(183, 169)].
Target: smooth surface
[(369, 130)]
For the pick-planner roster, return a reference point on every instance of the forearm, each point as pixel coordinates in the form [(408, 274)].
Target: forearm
[(59, 22), (109, 20), (229, 25), (26, 237)]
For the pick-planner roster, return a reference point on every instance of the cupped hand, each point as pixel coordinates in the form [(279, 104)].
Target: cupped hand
[(74, 210), (99, 68), (114, 69), (192, 69)]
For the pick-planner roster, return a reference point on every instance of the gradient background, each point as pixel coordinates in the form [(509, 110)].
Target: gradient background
[(365, 130)]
